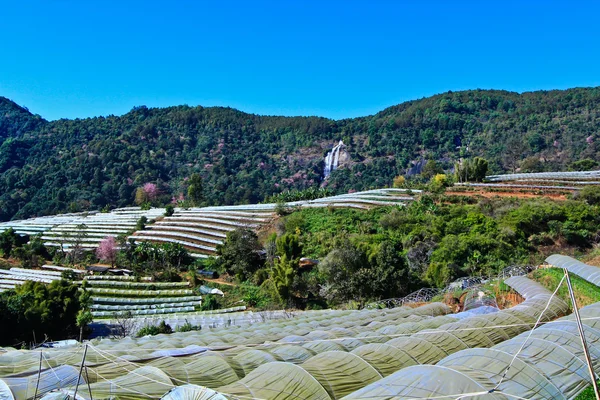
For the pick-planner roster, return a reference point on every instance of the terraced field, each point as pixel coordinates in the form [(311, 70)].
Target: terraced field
[(544, 181), (399, 353), (199, 230)]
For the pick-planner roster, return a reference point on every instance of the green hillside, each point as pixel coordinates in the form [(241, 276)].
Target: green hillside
[(72, 165)]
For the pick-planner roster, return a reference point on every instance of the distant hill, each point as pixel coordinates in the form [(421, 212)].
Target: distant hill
[(71, 165)]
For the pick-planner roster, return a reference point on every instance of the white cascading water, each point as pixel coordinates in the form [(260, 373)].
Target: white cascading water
[(332, 159)]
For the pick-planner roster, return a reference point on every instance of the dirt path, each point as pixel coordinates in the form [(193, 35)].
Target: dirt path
[(219, 281)]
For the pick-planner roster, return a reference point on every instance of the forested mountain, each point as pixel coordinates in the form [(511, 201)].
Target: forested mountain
[(71, 165)]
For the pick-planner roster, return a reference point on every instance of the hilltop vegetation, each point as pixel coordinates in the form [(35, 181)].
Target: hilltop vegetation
[(391, 251), (72, 165)]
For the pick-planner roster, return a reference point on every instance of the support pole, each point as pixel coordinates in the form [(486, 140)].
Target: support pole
[(87, 379), (582, 336), (81, 370), (37, 384)]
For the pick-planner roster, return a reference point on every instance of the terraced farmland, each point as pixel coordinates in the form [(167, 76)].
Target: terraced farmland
[(200, 230), (398, 353), (9, 279), (546, 181)]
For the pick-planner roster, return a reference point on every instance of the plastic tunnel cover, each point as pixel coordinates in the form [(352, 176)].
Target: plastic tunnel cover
[(469, 333), (192, 392), (423, 381), (587, 272), (384, 358), (251, 359), (488, 366), (567, 372), (211, 371), (444, 340), (568, 341), (5, 392), (289, 352), (421, 350), (277, 380), (592, 335), (341, 373), (50, 379), (150, 381)]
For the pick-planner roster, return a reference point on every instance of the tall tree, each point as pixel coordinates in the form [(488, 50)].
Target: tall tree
[(195, 189), (107, 250)]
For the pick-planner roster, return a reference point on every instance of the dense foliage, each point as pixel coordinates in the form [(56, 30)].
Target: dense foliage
[(390, 252), (69, 165), (34, 312)]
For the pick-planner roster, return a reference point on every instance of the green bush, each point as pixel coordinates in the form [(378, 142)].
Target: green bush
[(590, 194), (188, 327), (162, 328)]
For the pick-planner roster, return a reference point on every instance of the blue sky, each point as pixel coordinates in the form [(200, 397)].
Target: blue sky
[(335, 59)]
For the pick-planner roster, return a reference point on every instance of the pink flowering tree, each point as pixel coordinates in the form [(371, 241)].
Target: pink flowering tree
[(107, 250), (151, 191)]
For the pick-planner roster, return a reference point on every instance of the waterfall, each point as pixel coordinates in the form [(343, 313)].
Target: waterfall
[(332, 159)]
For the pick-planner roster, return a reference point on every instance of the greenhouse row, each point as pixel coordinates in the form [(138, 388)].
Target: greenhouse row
[(398, 353)]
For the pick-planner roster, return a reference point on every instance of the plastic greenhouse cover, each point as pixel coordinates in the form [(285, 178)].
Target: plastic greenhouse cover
[(565, 370), (384, 358), (340, 373), (140, 383), (192, 392), (422, 381), (251, 359), (277, 381), (50, 379), (419, 349), (587, 272), (173, 352), (211, 371), (476, 311), (290, 353), (489, 366)]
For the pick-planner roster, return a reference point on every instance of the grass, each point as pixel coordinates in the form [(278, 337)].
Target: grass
[(585, 293), (587, 394)]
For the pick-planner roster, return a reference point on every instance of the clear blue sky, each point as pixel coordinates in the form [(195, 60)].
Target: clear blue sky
[(288, 57)]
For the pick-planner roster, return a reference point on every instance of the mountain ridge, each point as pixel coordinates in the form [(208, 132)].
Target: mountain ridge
[(72, 165)]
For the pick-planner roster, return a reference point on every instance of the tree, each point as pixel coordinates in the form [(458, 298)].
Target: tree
[(169, 210), (587, 164), (479, 169), (7, 241), (124, 324), (590, 194), (513, 153), (151, 191), (174, 255), (399, 181), (289, 245), (141, 223), (34, 310), (107, 250), (345, 270), (140, 196), (77, 244), (84, 318), (283, 273), (146, 193), (473, 170), (430, 169), (390, 271), (239, 253), (195, 189)]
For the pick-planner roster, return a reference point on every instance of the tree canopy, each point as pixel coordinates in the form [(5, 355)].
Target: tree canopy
[(228, 157)]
